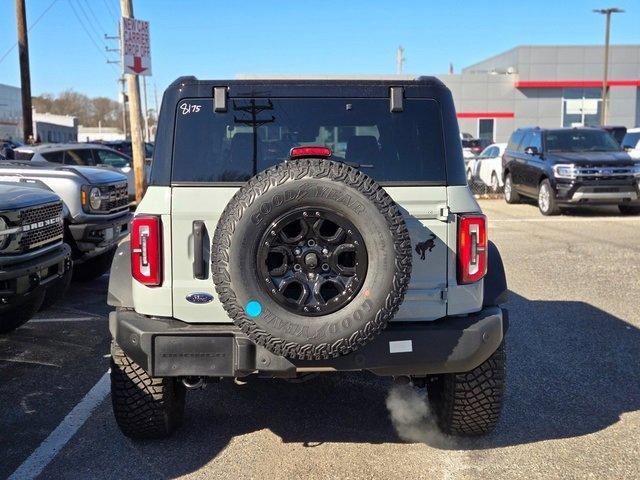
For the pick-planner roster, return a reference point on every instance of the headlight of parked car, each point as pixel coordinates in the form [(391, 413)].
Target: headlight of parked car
[(91, 199), (564, 171)]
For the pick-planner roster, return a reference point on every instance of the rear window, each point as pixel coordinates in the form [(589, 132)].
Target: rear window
[(255, 134), (631, 139), (18, 155), (515, 140)]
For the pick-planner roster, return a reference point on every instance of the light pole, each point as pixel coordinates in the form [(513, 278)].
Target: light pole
[(605, 87)]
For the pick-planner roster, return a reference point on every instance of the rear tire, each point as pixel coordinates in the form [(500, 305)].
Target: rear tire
[(629, 209), (144, 406), (20, 313), (547, 199), (510, 195), (495, 185), (469, 403), (94, 267)]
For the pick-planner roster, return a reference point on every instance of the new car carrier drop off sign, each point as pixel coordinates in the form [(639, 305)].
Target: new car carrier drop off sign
[(136, 46)]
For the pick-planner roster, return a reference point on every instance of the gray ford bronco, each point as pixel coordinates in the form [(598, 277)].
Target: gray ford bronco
[(295, 227), (35, 264), (96, 208)]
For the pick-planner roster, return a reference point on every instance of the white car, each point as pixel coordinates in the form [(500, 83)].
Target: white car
[(631, 142), (488, 166), (79, 154)]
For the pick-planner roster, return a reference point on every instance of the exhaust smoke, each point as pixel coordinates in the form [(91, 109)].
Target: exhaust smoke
[(412, 417)]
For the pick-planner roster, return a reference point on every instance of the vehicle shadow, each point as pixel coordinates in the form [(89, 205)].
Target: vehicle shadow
[(581, 210), (573, 369)]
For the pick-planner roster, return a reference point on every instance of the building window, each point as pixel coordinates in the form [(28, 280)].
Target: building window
[(581, 107), (486, 128)]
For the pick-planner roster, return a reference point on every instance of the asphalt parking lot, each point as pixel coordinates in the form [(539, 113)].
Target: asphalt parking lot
[(572, 408)]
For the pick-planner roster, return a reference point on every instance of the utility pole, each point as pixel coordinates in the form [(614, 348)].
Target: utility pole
[(605, 87), (399, 59), (146, 110), (123, 94), (25, 76), (135, 117)]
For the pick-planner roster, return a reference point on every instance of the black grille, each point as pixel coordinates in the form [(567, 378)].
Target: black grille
[(41, 225), (115, 197)]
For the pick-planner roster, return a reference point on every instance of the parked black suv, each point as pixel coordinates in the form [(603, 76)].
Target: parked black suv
[(570, 166)]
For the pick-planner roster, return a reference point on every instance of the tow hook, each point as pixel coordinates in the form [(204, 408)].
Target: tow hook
[(193, 383)]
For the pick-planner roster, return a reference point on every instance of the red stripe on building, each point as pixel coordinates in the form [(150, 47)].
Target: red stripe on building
[(575, 83), (486, 115)]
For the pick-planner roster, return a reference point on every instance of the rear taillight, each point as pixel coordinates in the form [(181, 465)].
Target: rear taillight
[(311, 151), (146, 250), (472, 248)]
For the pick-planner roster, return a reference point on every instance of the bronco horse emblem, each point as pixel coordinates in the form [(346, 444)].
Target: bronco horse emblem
[(423, 247)]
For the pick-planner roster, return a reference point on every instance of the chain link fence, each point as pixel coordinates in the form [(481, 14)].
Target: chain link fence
[(485, 183)]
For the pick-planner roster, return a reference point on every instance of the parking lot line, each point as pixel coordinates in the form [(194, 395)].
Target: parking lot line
[(53, 444), (67, 319)]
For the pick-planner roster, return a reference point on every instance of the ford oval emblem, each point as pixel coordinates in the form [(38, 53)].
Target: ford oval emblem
[(199, 297)]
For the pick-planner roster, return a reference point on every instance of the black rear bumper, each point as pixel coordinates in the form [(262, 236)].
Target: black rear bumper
[(166, 347)]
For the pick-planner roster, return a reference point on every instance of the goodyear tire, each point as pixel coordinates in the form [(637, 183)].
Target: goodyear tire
[(311, 259)]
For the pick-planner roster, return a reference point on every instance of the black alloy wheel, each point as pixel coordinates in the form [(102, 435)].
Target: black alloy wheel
[(312, 261)]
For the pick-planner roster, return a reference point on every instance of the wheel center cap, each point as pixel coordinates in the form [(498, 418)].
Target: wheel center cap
[(311, 260)]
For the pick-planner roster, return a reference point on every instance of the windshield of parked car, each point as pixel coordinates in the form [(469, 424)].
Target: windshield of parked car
[(111, 158), (580, 141), (257, 133)]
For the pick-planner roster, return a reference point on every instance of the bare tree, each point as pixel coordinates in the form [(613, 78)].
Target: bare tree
[(89, 111)]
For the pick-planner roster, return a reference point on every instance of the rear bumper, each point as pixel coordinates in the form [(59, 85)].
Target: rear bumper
[(20, 279), (168, 347), (95, 238)]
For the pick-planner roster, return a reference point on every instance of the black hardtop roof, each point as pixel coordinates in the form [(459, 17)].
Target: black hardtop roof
[(308, 87)]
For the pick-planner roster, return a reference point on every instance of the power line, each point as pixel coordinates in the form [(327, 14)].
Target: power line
[(6, 54), (89, 23), (93, 15), (111, 12), (89, 35)]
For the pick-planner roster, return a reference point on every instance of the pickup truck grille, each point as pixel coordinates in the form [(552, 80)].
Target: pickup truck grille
[(41, 225), (115, 197)]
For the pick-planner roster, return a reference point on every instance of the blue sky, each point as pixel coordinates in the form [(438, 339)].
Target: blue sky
[(218, 39)]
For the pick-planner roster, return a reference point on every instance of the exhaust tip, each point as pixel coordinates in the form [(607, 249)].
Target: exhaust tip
[(193, 383)]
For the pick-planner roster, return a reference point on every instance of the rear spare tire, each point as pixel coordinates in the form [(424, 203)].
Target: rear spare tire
[(311, 259)]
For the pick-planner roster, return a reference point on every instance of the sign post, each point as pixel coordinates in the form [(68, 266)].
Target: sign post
[(136, 60)]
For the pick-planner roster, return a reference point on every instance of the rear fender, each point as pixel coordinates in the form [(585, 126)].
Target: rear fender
[(495, 282), (120, 289)]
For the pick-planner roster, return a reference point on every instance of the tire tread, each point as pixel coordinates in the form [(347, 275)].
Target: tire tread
[(297, 170)]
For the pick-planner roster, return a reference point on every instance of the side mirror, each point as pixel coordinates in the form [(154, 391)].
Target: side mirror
[(627, 148), (531, 151)]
